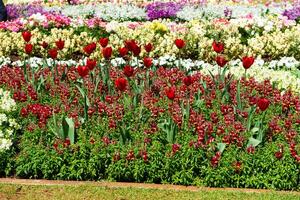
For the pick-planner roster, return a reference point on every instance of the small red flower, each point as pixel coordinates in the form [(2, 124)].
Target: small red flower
[(53, 53), (91, 64), (144, 155), (60, 44), (248, 61), (117, 156), (121, 84), (147, 62), (24, 112), (103, 42), (130, 155), (218, 46), (106, 140), (148, 47), (263, 103), (106, 52), (128, 71), (123, 51), (278, 155), (92, 140), (179, 43), (83, 71), (28, 48), (67, 142), (175, 148), (45, 45), (55, 146), (221, 61), (90, 48), (171, 92), (188, 80), (251, 149), (26, 36), (237, 166)]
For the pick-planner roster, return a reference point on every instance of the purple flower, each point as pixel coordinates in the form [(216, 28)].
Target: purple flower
[(162, 10), (292, 14), (15, 11), (228, 12)]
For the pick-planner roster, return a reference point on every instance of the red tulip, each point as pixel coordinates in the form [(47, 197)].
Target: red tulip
[(90, 48), (171, 92), (218, 46), (107, 51), (26, 36), (128, 71), (130, 44), (28, 48), (248, 61), (188, 80), (263, 103), (148, 47), (103, 42), (147, 62), (121, 84), (221, 61), (136, 50), (53, 53), (179, 43), (91, 64), (82, 71), (60, 44), (123, 51), (44, 45)]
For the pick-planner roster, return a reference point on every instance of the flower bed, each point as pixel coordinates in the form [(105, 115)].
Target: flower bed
[(210, 102), (152, 124)]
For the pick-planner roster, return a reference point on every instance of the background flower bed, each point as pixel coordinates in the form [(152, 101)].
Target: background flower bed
[(254, 31)]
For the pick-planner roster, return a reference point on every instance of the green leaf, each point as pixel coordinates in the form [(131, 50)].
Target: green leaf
[(83, 95), (250, 116), (238, 96), (68, 129), (254, 142), (221, 147)]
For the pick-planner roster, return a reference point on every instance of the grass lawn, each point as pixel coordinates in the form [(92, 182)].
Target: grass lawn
[(88, 191)]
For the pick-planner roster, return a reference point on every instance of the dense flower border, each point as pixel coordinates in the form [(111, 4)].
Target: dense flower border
[(284, 72), (266, 41), (8, 124)]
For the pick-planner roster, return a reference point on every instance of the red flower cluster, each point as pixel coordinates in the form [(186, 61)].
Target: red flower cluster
[(215, 159)]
